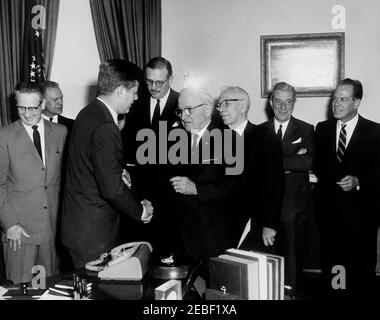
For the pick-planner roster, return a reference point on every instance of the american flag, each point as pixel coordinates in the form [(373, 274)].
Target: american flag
[(34, 66)]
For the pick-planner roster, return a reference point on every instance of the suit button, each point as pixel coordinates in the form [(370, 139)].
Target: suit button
[(45, 187), (45, 207), (43, 169)]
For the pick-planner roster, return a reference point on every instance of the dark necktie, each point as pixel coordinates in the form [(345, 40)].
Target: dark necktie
[(279, 132), (156, 115), (51, 119), (341, 143), (194, 137), (37, 140)]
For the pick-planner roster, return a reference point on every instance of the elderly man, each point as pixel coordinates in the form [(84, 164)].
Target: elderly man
[(30, 173), (297, 140), (202, 194), (347, 166), (95, 195), (54, 104), (156, 105), (262, 181)]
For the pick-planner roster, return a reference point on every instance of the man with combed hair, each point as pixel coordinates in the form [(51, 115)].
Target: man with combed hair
[(31, 152), (347, 166), (95, 194), (297, 140), (262, 181)]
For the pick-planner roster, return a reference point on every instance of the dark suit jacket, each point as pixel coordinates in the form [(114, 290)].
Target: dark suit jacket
[(95, 194), (139, 118), (205, 218), (298, 135), (262, 185), (66, 122), (29, 190), (357, 208)]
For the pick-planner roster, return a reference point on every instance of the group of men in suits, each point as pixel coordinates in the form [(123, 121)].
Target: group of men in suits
[(200, 210)]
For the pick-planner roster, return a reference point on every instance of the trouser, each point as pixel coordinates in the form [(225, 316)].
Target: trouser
[(19, 263)]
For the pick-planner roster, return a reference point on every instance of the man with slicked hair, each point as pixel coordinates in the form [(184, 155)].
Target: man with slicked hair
[(297, 141), (347, 166), (95, 194)]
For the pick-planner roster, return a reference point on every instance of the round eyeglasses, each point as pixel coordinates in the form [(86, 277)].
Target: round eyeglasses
[(226, 103)]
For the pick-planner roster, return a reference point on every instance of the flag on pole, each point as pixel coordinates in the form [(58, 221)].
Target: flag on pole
[(34, 65)]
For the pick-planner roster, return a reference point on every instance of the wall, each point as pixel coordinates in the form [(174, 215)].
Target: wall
[(220, 40), (76, 60)]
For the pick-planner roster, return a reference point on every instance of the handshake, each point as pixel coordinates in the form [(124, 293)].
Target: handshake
[(148, 208)]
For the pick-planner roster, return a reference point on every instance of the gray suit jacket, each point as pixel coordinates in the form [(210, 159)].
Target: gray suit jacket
[(29, 191)]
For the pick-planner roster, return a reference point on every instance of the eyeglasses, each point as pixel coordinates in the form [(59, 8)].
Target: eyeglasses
[(288, 102), (186, 110), (22, 110), (158, 83), (226, 103)]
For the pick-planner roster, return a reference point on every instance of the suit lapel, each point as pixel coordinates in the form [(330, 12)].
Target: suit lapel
[(290, 132), (355, 138), (26, 141), (48, 143), (168, 106)]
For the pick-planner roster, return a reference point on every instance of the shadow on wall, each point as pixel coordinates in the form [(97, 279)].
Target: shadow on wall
[(91, 92)]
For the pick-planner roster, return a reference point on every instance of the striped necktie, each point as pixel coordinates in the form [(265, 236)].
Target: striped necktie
[(341, 143)]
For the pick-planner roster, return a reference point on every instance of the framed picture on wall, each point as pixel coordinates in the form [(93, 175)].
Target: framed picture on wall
[(312, 63)]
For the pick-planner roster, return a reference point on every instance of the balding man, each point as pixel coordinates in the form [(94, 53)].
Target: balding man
[(262, 182), (201, 191)]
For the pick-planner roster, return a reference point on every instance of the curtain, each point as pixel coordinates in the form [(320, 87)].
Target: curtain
[(127, 29), (13, 18)]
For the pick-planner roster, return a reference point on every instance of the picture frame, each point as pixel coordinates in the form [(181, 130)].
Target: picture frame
[(312, 63)]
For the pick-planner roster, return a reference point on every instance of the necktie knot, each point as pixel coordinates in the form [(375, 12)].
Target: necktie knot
[(35, 128), (51, 119)]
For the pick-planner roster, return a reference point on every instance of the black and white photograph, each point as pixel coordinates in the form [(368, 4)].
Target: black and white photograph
[(228, 147)]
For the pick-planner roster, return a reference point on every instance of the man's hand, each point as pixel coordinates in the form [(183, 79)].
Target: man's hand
[(183, 185), (148, 214), (348, 183), (126, 177), (302, 151), (13, 235), (269, 236)]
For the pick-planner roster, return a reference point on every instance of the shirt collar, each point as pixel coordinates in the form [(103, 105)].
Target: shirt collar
[(162, 100), (284, 125), (240, 128), (40, 125), (350, 124), (113, 113), (55, 118), (200, 132)]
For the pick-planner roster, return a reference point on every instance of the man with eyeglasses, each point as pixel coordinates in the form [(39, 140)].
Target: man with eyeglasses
[(347, 166), (31, 152), (297, 140), (156, 104), (262, 180)]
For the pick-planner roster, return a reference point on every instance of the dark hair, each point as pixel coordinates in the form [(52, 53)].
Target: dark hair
[(49, 84), (357, 91), (30, 87), (114, 73), (159, 63)]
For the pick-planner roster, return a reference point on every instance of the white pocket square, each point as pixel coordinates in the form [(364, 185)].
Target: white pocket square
[(297, 141)]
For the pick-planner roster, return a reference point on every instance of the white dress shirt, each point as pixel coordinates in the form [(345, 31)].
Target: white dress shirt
[(199, 132), (153, 103), (277, 126), (55, 118), (41, 131), (350, 127), (241, 127)]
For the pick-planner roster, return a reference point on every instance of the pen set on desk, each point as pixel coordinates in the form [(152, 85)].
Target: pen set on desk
[(82, 290)]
